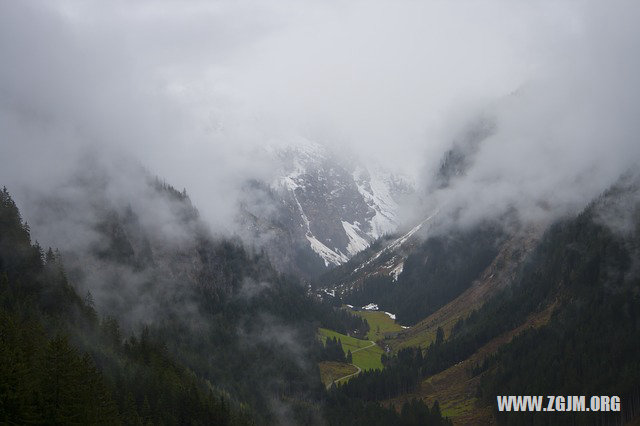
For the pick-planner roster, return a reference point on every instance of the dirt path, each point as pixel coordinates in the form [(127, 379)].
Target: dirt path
[(359, 369)]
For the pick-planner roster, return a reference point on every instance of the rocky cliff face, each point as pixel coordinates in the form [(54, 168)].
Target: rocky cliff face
[(322, 209)]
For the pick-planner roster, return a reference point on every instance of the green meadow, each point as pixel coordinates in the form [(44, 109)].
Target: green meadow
[(379, 324), (365, 355)]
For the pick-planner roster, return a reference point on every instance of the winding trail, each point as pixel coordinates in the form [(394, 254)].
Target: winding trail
[(359, 369)]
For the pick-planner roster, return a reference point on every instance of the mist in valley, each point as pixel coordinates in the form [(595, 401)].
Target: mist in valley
[(147, 140)]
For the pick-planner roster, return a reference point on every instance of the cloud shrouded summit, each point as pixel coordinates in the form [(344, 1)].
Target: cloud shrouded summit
[(194, 90)]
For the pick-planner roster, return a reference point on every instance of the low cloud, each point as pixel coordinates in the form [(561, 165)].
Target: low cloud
[(195, 90)]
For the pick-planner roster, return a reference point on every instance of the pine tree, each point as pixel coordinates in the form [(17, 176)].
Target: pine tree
[(98, 407), (5, 289), (111, 331), (50, 257), (146, 413), (60, 381), (18, 382), (439, 336), (130, 411), (435, 410)]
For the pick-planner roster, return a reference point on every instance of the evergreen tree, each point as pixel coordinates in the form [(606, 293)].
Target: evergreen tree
[(439, 336)]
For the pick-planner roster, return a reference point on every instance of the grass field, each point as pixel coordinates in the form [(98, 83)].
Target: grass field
[(331, 370), (379, 324), (367, 359)]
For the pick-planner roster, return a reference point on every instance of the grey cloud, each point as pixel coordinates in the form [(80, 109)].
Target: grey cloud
[(194, 90)]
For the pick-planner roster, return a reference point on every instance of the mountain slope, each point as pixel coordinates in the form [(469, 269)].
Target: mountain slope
[(545, 325), (45, 328), (322, 209), (227, 340), (497, 276), (223, 313)]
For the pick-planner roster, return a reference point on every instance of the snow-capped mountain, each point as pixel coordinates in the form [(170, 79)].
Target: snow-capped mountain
[(327, 208)]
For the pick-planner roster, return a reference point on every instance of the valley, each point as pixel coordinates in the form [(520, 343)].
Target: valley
[(474, 301), (456, 350), (343, 213)]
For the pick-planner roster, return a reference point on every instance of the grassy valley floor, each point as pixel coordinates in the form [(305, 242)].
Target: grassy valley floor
[(380, 324), (365, 356)]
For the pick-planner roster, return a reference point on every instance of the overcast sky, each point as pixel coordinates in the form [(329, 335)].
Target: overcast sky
[(193, 89)]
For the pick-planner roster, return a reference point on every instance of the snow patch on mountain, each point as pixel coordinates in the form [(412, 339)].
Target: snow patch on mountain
[(356, 241), (331, 293), (329, 256), (375, 190), (395, 272), (392, 316)]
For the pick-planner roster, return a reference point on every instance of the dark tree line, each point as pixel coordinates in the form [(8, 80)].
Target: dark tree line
[(332, 351), (343, 410), (344, 322)]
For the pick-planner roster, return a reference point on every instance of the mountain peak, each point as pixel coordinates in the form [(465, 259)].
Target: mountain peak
[(334, 205)]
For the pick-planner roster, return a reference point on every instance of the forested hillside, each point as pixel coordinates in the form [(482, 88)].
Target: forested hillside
[(251, 358), (585, 271), (170, 370), (62, 364)]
